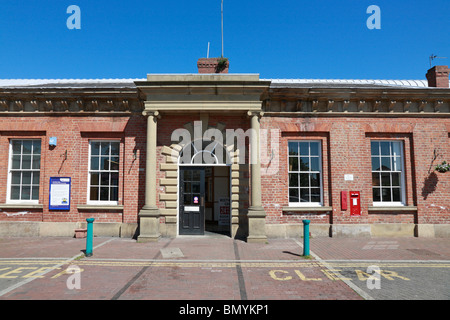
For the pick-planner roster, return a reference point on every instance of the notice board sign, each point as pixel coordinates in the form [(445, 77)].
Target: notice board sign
[(59, 193), (224, 211)]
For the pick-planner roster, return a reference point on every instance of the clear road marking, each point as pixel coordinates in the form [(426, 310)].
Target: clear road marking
[(355, 288)]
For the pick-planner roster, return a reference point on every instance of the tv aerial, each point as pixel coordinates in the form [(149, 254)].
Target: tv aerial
[(433, 56)]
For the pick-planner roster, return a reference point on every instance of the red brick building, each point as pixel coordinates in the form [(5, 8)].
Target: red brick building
[(228, 153)]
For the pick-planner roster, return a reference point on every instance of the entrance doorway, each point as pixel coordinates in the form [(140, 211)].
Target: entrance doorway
[(204, 200)]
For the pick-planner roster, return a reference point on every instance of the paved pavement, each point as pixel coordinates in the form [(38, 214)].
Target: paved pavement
[(217, 268)]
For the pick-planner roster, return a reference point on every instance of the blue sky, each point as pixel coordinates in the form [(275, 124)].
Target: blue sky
[(277, 39)]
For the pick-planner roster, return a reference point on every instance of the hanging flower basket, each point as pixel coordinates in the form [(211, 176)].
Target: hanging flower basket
[(443, 167)]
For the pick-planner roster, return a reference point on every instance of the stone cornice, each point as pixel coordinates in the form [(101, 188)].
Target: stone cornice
[(383, 101), (58, 101), (205, 92)]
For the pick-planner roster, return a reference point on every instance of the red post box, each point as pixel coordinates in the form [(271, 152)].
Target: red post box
[(355, 203), (343, 200)]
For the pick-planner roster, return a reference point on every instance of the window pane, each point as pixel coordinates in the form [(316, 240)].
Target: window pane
[(304, 148), (104, 193), (293, 164), (94, 163), (304, 164), (375, 163), (315, 195), (304, 180), (15, 178), (187, 199), (187, 175), (385, 163), (37, 147), (293, 180), (114, 179), (27, 144), (396, 194), (375, 148), (26, 162), (196, 175), (196, 187), (105, 146), (95, 179), (396, 148), (94, 193), (15, 162), (104, 163), (375, 179), (293, 148), (315, 180), (314, 163), (15, 193), (385, 148), (36, 177), (26, 177), (376, 194), (314, 148), (187, 187), (35, 193), (396, 179), (95, 148), (17, 146), (114, 163), (386, 194), (104, 179), (115, 148), (397, 164), (293, 195), (386, 179), (114, 194), (26, 193), (304, 195), (36, 162)]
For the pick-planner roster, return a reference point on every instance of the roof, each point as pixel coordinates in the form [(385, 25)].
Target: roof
[(68, 83), (340, 83), (275, 83)]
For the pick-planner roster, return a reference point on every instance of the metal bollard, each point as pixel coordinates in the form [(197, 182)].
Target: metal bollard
[(306, 237), (90, 235)]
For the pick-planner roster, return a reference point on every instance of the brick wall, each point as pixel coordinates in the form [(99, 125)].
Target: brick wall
[(73, 134), (346, 150)]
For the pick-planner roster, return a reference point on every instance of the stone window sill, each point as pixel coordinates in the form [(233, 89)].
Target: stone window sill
[(21, 206), (393, 208), (307, 209), (98, 207)]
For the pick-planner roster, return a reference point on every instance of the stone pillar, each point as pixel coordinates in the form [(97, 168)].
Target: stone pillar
[(256, 213), (149, 214)]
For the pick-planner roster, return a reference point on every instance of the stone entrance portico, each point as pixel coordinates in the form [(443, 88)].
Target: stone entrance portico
[(202, 96)]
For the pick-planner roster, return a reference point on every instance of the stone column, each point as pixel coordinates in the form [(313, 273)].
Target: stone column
[(149, 214), (256, 213)]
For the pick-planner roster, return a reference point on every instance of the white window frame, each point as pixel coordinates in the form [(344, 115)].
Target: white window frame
[(101, 202), (10, 170), (307, 204), (391, 203)]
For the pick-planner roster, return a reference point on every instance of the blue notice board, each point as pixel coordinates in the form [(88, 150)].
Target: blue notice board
[(59, 193)]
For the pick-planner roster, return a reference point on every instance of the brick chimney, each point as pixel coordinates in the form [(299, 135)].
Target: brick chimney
[(213, 65), (438, 77)]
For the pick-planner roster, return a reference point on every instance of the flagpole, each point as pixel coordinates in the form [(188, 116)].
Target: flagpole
[(222, 28)]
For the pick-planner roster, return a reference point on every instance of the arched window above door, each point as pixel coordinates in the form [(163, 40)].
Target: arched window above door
[(204, 152)]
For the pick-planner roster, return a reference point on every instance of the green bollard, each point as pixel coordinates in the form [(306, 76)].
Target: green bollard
[(90, 235), (306, 237)]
